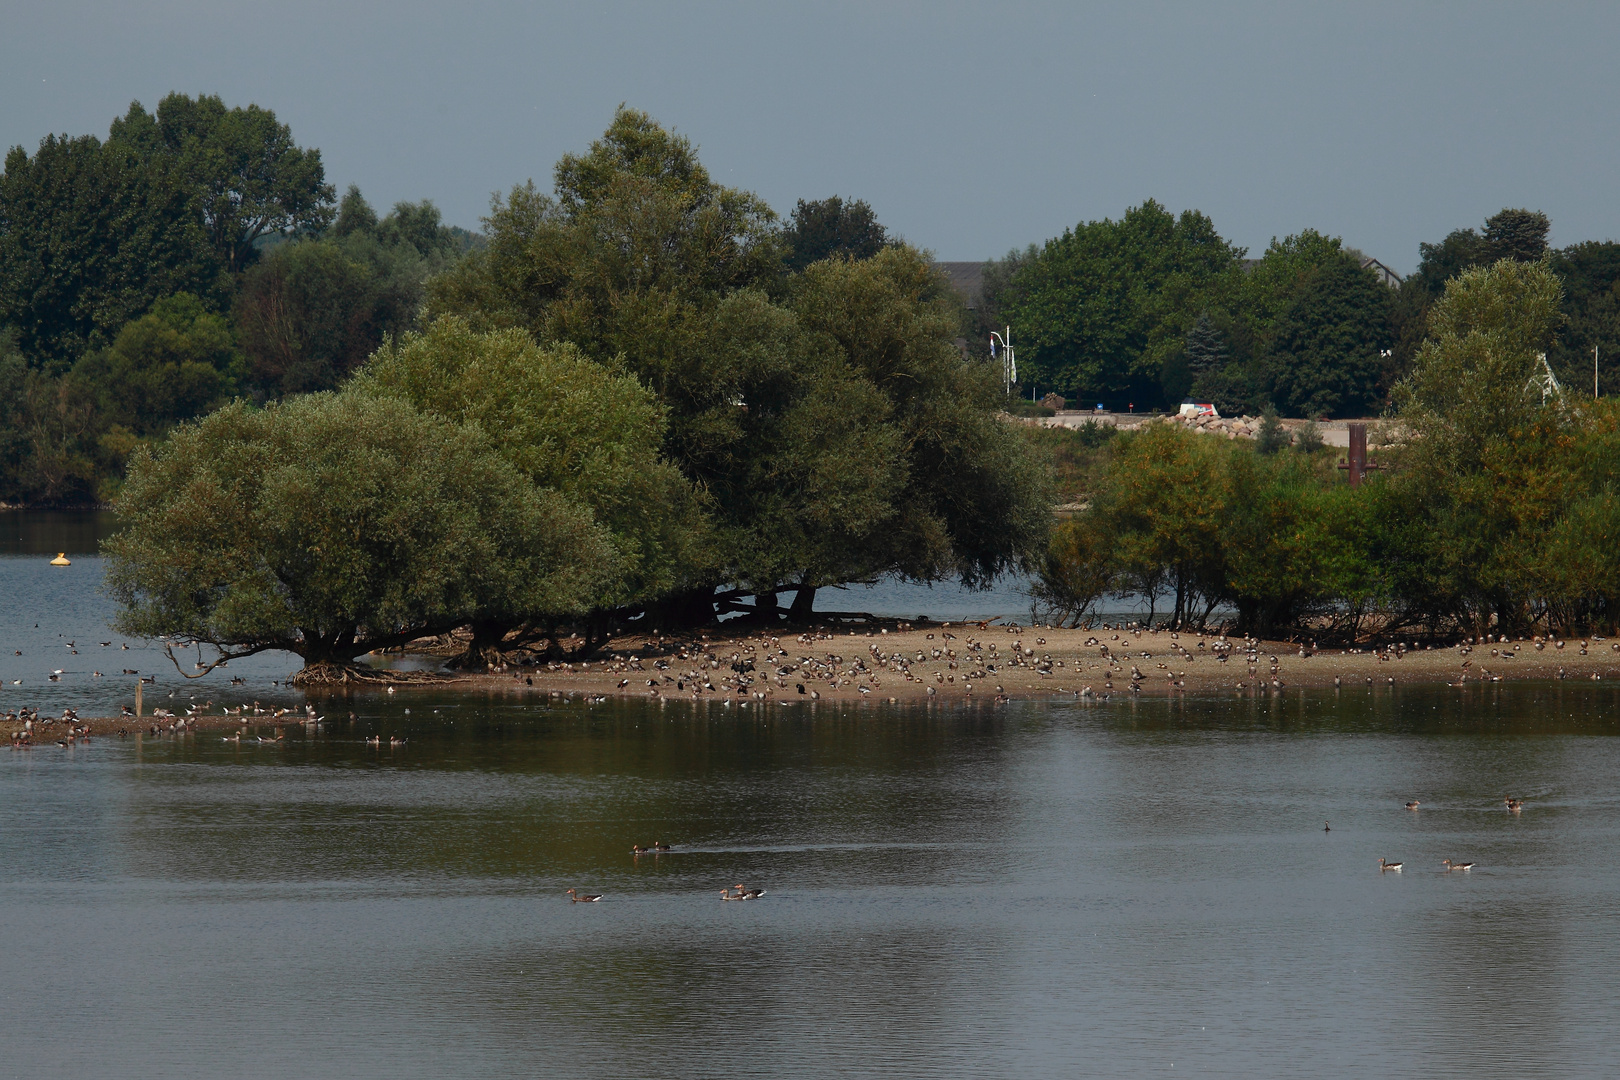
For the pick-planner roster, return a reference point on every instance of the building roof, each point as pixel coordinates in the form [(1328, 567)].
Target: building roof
[(967, 278)]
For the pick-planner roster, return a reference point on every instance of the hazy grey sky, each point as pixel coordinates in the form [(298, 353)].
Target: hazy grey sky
[(970, 128)]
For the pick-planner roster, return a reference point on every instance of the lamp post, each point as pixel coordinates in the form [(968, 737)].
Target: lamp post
[(1009, 360)]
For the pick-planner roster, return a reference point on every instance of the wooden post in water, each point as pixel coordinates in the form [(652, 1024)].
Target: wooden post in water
[(138, 685)]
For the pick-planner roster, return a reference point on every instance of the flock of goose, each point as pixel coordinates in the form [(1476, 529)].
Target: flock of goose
[(733, 892), (1509, 803)]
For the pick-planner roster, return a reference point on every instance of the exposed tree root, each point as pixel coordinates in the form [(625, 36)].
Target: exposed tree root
[(337, 674)]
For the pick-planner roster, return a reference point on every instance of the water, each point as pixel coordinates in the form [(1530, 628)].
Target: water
[(1051, 890), (43, 608)]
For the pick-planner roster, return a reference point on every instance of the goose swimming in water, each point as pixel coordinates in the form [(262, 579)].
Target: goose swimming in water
[(1450, 866), (1386, 865), (583, 898)]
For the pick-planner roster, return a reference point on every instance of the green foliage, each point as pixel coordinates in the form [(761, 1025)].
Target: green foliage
[(1153, 307), (311, 311), (240, 167), (172, 364), (336, 524), (1205, 346), (1102, 307), (307, 317), (1272, 436), (829, 227), (1471, 384), (91, 235), (1591, 276), (569, 425), (827, 414), (1077, 456), (1309, 439), (1325, 344), (1496, 510), (1519, 235)]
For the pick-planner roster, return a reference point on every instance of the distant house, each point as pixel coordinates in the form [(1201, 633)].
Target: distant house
[(1385, 274)]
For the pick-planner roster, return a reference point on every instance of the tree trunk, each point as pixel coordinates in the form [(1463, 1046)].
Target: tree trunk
[(484, 650), (695, 607), (804, 604)]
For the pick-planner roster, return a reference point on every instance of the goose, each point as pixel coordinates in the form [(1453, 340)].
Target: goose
[(1384, 864), (1450, 866), (583, 898)]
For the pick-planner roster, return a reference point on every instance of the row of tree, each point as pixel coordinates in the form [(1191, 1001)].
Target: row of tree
[(1497, 507), (1153, 307), (195, 255)]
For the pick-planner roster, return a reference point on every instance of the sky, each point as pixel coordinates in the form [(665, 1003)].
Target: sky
[(970, 128)]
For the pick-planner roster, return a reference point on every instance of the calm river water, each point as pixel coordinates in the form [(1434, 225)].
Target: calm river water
[(1136, 888)]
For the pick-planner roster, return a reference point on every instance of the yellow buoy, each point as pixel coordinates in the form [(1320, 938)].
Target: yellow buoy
[(61, 559)]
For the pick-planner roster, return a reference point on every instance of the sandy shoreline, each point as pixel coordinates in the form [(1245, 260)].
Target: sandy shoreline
[(958, 662)]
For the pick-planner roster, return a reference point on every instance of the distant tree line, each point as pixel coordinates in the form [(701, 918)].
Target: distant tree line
[(1154, 307), (1496, 509), (195, 255)]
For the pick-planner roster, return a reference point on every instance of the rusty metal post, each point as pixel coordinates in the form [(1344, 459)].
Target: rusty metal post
[(1358, 453)]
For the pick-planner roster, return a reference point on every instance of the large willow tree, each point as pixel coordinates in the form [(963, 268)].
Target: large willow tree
[(337, 524), (827, 415)]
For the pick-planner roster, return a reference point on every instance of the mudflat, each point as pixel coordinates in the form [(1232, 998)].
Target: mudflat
[(962, 662)]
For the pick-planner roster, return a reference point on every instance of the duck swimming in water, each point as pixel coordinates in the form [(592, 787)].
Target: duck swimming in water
[(1413, 805), (1513, 805), (583, 898), (1386, 865)]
